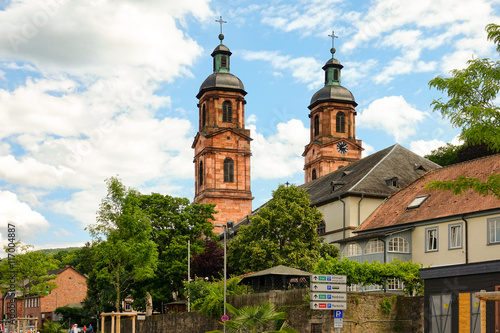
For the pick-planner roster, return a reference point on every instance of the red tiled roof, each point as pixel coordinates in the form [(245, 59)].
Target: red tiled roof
[(440, 204)]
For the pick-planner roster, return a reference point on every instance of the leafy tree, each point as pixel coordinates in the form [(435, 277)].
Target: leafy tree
[(128, 254), (27, 270), (255, 319), (209, 263), (283, 232), (174, 221), (208, 297), (53, 327), (78, 316), (445, 155), (471, 106), (374, 273)]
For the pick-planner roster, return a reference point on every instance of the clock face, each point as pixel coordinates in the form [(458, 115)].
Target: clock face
[(342, 147)]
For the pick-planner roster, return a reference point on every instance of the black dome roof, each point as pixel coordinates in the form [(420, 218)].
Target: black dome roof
[(334, 93), (221, 81)]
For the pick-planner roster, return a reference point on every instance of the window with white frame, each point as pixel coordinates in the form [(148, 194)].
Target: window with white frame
[(431, 239), (352, 249), (494, 230), (374, 246), (455, 236), (398, 244)]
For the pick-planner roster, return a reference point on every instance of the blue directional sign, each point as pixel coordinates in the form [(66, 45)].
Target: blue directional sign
[(338, 314)]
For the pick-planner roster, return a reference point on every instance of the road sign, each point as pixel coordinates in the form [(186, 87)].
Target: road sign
[(338, 314), (224, 318), (338, 322), (337, 297), (329, 278), (328, 305), (329, 287)]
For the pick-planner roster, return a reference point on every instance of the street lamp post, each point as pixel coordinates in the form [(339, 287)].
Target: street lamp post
[(228, 225)]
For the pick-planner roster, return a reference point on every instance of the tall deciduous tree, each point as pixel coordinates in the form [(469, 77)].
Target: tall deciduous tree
[(26, 272), (125, 252), (471, 106), (174, 221), (283, 232)]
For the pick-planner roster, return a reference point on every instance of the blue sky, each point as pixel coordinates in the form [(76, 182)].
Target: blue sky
[(94, 89)]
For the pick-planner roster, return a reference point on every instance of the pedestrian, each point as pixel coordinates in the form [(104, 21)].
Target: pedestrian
[(90, 330), (85, 328)]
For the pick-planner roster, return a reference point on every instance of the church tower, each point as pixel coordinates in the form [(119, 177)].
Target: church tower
[(333, 142), (222, 144)]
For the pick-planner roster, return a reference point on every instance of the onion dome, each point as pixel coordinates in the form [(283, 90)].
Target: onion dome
[(332, 91), (221, 79)]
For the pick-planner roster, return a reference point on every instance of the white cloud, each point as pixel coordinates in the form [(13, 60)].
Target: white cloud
[(251, 119), (305, 70), (422, 147), (305, 16), (70, 38), (277, 156), (28, 223), (392, 115), (369, 149)]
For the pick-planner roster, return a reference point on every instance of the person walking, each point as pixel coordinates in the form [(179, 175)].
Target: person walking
[(85, 328), (90, 329)]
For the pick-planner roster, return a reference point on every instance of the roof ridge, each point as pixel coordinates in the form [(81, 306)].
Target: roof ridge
[(373, 168)]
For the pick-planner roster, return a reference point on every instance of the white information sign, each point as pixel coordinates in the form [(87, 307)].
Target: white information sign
[(329, 278), (328, 305), (329, 287)]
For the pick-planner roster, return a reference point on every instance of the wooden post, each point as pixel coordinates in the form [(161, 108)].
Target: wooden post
[(118, 327), (482, 310), (102, 323), (486, 296), (133, 324), (112, 323)]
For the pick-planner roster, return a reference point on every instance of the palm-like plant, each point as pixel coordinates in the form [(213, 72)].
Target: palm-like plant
[(53, 327), (254, 319)]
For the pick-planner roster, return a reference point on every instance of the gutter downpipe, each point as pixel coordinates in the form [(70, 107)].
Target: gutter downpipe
[(359, 208), (385, 261), (466, 239), (343, 217)]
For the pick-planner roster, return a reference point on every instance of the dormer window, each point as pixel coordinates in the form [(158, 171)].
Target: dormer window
[(418, 201), (336, 185), (392, 182), (419, 167)]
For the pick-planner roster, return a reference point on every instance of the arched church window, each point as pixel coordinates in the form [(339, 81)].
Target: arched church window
[(314, 174), (227, 112), (200, 173), (203, 115), (316, 125), (336, 75), (228, 170), (223, 61), (340, 121)]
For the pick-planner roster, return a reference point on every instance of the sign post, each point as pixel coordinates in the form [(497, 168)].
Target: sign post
[(328, 292)]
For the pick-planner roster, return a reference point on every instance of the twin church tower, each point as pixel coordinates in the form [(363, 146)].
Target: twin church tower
[(222, 145)]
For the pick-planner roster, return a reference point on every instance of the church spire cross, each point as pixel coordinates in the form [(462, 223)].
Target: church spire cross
[(220, 21), (332, 50), (221, 35)]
